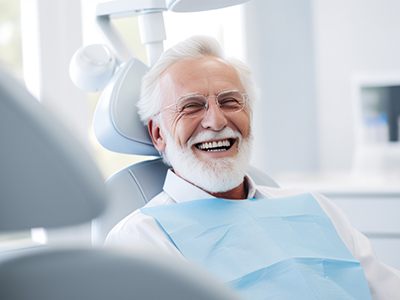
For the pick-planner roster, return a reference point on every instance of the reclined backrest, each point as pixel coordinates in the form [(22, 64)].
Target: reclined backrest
[(48, 180), (118, 128)]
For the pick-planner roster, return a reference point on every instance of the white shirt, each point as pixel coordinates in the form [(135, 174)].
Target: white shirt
[(140, 230)]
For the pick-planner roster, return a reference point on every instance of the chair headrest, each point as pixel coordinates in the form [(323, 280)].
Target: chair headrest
[(117, 125), (46, 178)]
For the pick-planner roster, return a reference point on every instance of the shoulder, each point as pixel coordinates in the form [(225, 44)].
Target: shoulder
[(139, 230), (131, 229), (137, 223), (327, 205), (342, 225)]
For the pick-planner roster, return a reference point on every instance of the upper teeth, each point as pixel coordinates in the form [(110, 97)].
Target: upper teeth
[(210, 145)]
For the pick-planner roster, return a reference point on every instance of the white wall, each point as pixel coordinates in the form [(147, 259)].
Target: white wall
[(353, 38), (305, 55), (280, 51)]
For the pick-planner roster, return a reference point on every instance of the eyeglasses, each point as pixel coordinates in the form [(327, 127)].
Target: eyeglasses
[(195, 104)]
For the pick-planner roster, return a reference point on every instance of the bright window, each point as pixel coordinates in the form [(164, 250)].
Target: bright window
[(10, 36), (226, 25)]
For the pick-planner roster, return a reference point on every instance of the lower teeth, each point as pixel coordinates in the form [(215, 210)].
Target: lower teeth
[(215, 150)]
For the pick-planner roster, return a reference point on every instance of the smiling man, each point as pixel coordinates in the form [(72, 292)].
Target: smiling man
[(263, 241), (204, 125)]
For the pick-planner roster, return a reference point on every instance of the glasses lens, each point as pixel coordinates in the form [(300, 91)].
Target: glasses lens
[(231, 101), (192, 106)]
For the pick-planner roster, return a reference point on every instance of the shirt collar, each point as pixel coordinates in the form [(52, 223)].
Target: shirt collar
[(181, 190), (251, 187)]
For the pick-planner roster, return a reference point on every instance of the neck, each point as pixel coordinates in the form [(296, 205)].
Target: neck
[(237, 193)]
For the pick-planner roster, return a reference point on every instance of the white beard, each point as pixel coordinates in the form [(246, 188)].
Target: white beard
[(214, 175)]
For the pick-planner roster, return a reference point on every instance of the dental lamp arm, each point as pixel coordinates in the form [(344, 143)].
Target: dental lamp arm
[(151, 22), (92, 67), (151, 26), (152, 34), (115, 42)]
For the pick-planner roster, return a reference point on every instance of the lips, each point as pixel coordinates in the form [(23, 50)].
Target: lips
[(216, 146)]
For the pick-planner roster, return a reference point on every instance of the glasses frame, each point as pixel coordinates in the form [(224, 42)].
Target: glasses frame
[(207, 105)]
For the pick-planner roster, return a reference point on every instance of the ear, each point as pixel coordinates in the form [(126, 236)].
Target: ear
[(156, 135)]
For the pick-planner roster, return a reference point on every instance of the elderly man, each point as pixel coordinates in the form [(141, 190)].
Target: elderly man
[(270, 242)]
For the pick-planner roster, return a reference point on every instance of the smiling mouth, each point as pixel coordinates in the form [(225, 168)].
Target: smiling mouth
[(216, 146)]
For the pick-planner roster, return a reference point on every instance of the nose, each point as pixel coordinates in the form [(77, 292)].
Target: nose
[(214, 118)]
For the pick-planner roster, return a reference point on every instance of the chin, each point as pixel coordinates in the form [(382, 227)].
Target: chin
[(217, 176)]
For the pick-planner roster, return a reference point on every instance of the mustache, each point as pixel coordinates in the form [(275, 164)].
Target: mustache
[(203, 136)]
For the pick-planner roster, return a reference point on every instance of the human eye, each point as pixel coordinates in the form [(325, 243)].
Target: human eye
[(230, 100), (191, 105)]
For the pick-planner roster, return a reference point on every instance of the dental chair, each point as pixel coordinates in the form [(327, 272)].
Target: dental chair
[(48, 180), (118, 128)]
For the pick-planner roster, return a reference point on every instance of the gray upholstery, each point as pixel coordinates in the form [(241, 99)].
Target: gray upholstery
[(46, 180), (129, 189), (93, 274), (134, 186), (116, 123)]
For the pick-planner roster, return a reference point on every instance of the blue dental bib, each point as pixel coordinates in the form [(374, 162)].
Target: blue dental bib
[(278, 248)]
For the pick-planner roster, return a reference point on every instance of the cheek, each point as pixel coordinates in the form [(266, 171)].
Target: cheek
[(242, 123), (183, 130)]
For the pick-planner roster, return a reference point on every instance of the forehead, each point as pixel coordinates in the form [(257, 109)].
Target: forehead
[(207, 75)]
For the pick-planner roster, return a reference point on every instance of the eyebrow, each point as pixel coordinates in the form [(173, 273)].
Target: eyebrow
[(206, 95)]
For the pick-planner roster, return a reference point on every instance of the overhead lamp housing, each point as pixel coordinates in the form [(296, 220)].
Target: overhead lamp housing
[(202, 5)]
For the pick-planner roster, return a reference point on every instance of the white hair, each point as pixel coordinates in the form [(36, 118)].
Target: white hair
[(194, 47)]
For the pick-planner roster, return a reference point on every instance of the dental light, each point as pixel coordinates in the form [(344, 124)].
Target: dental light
[(92, 67), (113, 68)]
